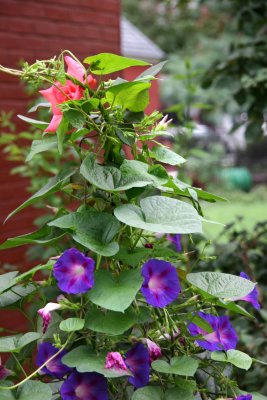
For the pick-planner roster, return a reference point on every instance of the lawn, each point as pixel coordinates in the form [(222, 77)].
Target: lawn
[(246, 208)]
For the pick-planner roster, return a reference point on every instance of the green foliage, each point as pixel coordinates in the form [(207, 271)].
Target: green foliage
[(184, 366), (109, 207), (115, 293), (224, 286), (160, 214)]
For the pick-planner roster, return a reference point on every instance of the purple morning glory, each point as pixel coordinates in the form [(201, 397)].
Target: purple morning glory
[(176, 240), (74, 272), (86, 386), (55, 367), (161, 284), (223, 336), (244, 396), (137, 360), (253, 296)]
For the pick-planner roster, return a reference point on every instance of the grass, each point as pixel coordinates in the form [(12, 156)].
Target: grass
[(246, 208)]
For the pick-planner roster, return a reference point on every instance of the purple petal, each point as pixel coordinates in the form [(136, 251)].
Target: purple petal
[(87, 386), (244, 397), (223, 336), (161, 284), (227, 334), (74, 272), (55, 367), (176, 240), (253, 296), (137, 360)]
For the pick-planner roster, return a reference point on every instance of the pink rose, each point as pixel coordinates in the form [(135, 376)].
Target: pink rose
[(60, 93)]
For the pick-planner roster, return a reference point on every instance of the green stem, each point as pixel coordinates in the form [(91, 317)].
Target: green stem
[(40, 368)]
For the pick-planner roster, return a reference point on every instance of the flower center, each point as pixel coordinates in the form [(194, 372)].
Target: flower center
[(154, 283), (81, 391), (78, 270)]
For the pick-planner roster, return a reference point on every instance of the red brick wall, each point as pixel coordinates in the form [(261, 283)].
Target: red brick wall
[(31, 30)]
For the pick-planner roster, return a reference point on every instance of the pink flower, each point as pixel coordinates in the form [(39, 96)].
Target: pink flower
[(46, 314), (59, 93), (115, 360), (153, 349)]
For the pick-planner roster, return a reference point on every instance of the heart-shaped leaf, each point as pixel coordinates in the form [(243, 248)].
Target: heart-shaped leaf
[(115, 293), (221, 285), (110, 322), (235, 357), (131, 174), (160, 214), (184, 365), (92, 229), (84, 359)]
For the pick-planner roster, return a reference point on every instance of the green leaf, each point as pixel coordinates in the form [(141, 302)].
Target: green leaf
[(61, 134), (235, 357), (37, 124), (131, 174), (16, 342), (75, 118), (126, 137), (17, 293), (54, 184), (31, 272), (84, 359), (72, 324), (115, 293), (92, 229), (201, 323), (6, 394), (133, 96), (7, 280), (160, 214), (234, 307), (45, 235), (221, 285), (107, 63), (152, 71), (183, 189), (34, 390), (148, 393), (110, 322), (179, 393), (165, 155), (133, 257), (184, 365), (39, 146)]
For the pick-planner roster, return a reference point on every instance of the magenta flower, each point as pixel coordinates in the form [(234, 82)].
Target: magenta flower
[(253, 296), (85, 386), (223, 336), (4, 372), (74, 272), (45, 313), (154, 350), (244, 397), (59, 93), (137, 360), (55, 367), (161, 284), (176, 240), (115, 360)]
